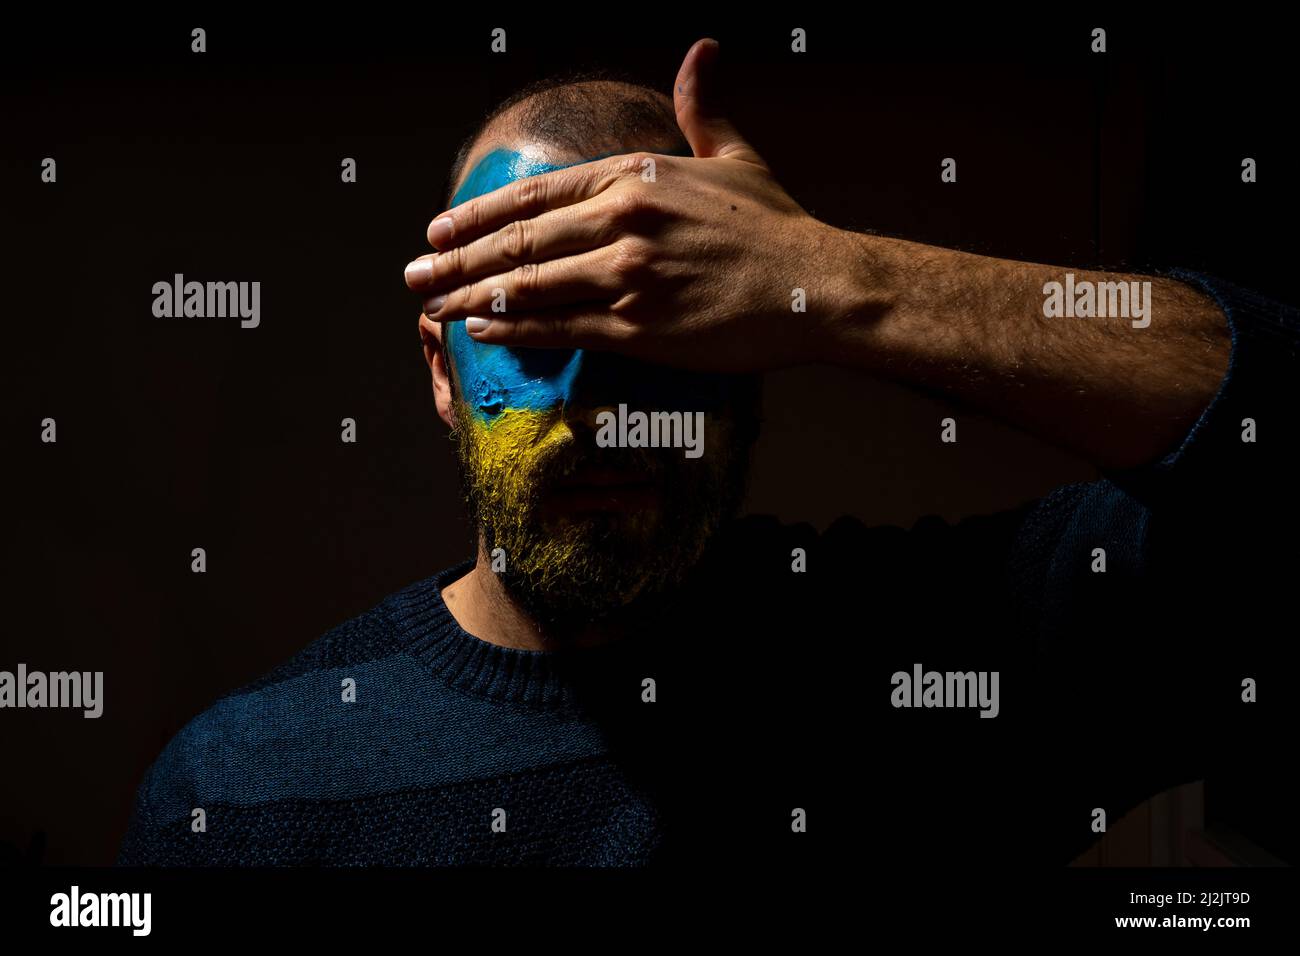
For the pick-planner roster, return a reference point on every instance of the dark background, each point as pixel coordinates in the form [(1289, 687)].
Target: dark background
[(183, 433)]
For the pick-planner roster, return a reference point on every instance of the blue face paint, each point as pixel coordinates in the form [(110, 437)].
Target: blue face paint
[(496, 169), (497, 378)]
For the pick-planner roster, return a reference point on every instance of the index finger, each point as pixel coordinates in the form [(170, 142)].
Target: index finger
[(530, 196)]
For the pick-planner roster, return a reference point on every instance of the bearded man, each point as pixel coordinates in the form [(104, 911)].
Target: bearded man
[(622, 672)]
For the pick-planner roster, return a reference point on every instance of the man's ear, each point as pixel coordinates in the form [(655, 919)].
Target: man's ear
[(436, 358)]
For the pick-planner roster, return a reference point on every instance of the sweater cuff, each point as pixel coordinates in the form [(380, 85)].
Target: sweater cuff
[(1212, 418), (1263, 334)]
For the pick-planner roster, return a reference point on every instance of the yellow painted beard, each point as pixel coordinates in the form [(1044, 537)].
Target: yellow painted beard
[(588, 565)]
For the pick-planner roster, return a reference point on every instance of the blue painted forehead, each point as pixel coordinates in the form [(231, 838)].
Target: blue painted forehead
[(503, 166), (496, 169)]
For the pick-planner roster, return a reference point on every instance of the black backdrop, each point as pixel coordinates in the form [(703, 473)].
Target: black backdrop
[(183, 433)]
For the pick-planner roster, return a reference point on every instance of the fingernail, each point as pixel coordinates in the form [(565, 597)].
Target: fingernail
[(419, 271), (474, 326), (440, 232), (434, 304)]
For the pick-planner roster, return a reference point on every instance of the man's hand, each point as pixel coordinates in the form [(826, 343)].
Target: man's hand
[(692, 262)]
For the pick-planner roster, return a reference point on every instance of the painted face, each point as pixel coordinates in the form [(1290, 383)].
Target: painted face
[(583, 528), (493, 379)]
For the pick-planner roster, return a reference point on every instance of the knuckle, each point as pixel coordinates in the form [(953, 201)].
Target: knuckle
[(633, 260), (530, 191), (569, 181), (516, 241), (527, 280), (631, 164), (622, 331), (556, 329), (620, 324), (462, 298), (630, 204), (630, 211), (468, 217), (455, 261)]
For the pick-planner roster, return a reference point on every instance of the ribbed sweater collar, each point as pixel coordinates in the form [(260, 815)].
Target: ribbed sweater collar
[(425, 627)]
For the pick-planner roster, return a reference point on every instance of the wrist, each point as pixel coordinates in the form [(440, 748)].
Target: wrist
[(860, 325)]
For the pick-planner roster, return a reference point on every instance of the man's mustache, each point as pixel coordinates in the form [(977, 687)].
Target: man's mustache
[(571, 459)]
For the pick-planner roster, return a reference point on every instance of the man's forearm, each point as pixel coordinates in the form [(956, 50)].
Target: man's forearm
[(1114, 389)]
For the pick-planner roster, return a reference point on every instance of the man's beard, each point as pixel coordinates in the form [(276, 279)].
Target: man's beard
[(567, 569)]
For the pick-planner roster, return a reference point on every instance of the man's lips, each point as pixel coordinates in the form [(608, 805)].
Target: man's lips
[(604, 489)]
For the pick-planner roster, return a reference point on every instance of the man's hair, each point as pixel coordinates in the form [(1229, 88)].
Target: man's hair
[(583, 112)]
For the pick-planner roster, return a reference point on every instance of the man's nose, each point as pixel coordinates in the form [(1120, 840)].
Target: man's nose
[(603, 380)]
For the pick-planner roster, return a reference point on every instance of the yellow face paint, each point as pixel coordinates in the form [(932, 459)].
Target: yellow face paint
[(509, 461)]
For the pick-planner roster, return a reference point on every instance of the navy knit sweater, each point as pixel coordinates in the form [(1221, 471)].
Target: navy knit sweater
[(772, 689)]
